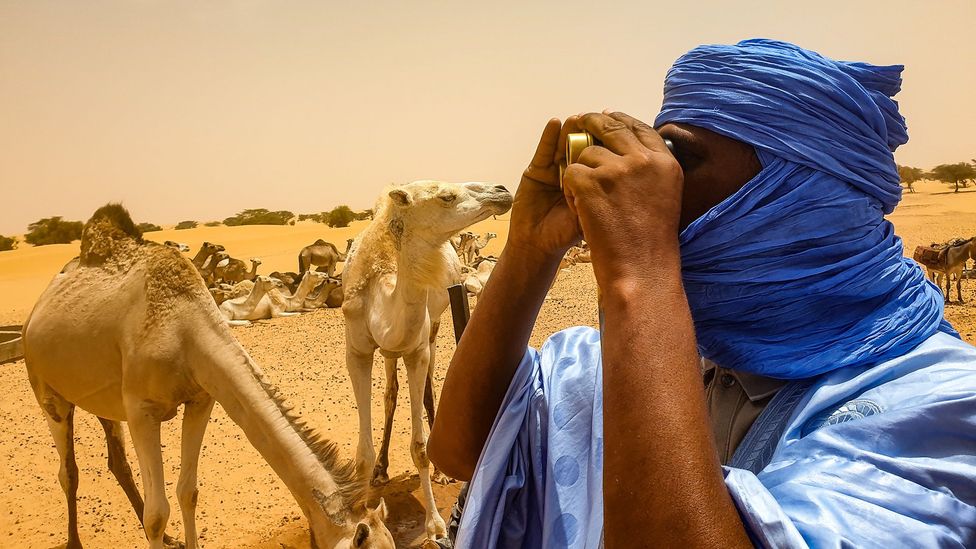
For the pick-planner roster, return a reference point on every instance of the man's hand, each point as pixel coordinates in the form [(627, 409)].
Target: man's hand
[(626, 192), (542, 224)]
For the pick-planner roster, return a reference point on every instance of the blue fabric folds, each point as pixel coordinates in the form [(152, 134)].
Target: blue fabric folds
[(798, 272)]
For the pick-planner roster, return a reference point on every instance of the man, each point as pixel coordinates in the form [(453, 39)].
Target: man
[(762, 239)]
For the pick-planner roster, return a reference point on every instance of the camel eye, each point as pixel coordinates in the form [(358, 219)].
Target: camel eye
[(448, 198)]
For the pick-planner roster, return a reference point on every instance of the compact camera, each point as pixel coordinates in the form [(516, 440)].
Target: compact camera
[(576, 142)]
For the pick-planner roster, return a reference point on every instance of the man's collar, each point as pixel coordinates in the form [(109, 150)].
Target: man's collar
[(755, 386)]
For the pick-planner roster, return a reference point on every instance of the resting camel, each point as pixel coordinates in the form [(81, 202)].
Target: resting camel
[(458, 241), (322, 255), (206, 250), (132, 334), (329, 295), (260, 304), (232, 271), (475, 282), (289, 279), (957, 253), (395, 286), (471, 247), (207, 272)]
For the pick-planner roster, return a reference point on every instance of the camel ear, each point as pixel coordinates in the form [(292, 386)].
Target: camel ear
[(380, 510), (400, 197), (362, 534)]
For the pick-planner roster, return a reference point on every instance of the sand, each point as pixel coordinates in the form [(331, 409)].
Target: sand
[(242, 503)]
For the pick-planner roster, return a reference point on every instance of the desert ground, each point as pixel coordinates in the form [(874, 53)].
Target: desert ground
[(242, 503)]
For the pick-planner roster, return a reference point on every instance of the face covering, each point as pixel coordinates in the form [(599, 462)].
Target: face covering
[(798, 273)]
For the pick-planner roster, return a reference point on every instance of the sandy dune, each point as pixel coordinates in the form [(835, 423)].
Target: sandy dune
[(242, 503)]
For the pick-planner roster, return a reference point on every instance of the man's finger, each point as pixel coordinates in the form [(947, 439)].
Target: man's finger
[(647, 135), (546, 150), (614, 134)]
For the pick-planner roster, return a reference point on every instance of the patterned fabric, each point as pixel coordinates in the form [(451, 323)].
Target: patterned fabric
[(901, 476)]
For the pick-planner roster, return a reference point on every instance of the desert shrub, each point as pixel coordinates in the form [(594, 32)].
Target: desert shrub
[(910, 175), (53, 230), (364, 215), (186, 225), (340, 216), (314, 217), (7, 243), (149, 227), (259, 216), (212, 224)]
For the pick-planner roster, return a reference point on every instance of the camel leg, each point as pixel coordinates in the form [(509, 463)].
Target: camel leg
[(360, 366), (416, 364), (195, 418), (60, 416), (118, 463), (380, 474), (436, 476), (144, 429)]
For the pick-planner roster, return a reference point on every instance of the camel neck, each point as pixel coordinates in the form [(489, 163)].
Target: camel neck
[(257, 293), (296, 455)]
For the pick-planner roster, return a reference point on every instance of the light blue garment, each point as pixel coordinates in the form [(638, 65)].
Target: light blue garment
[(798, 272), (872, 457)]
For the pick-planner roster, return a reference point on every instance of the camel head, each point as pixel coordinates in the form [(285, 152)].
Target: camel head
[(177, 245), (255, 261), (370, 532), (440, 210), (211, 248)]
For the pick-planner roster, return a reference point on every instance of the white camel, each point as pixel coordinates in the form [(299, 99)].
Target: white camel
[(132, 334), (258, 305), (395, 285)]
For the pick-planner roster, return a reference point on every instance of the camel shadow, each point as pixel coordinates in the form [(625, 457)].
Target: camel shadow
[(405, 513)]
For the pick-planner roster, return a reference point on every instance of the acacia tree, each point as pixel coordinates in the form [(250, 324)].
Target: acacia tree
[(958, 174), (910, 175), (340, 216), (53, 230)]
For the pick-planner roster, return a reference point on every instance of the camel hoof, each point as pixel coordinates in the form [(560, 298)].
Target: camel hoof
[(440, 478), (171, 543)]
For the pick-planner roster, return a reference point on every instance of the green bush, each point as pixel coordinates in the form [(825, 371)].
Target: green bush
[(53, 230), (364, 215), (149, 227), (313, 217), (259, 216), (7, 243), (340, 216), (212, 224), (186, 225)]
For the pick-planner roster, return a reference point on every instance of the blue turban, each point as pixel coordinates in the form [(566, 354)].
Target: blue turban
[(798, 272)]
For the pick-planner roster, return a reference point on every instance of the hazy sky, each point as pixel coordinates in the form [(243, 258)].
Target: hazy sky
[(198, 109)]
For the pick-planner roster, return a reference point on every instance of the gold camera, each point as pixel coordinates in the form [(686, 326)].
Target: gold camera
[(576, 142)]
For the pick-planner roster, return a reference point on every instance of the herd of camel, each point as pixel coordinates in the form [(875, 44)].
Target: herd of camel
[(131, 330)]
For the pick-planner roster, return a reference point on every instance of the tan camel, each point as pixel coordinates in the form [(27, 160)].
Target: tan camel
[(471, 247), (260, 304), (206, 250), (395, 285), (232, 271), (326, 295), (957, 253), (459, 240), (322, 255), (132, 334), (475, 282), (208, 270), (289, 279), (296, 301)]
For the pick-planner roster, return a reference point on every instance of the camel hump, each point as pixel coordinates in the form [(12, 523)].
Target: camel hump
[(319, 242), (109, 230), (119, 217)]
